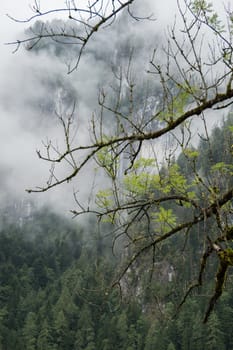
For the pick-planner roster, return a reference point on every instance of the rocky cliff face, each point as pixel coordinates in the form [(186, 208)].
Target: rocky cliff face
[(16, 211)]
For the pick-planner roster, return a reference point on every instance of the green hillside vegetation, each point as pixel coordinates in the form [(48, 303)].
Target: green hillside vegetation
[(56, 277)]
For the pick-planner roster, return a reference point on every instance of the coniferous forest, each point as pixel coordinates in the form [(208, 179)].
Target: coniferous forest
[(135, 126), (56, 276)]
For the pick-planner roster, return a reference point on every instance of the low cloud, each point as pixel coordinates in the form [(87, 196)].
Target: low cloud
[(29, 95)]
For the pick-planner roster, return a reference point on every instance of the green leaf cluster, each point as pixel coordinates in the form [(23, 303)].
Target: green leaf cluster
[(205, 11), (108, 160), (165, 219)]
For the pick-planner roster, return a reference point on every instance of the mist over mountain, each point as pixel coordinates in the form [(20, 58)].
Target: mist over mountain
[(37, 87), (59, 279)]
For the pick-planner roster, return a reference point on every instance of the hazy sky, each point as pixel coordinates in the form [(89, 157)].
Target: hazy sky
[(21, 83)]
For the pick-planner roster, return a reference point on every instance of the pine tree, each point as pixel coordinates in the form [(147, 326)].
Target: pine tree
[(214, 339), (61, 329), (30, 331), (154, 338), (225, 315), (45, 339), (85, 335), (171, 346), (132, 340), (198, 332), (122, 330)]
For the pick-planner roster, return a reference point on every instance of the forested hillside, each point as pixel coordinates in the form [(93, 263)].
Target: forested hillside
[(136, 142), (56, 277)]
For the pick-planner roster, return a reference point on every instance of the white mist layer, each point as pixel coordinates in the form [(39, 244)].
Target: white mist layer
[(24, 77)]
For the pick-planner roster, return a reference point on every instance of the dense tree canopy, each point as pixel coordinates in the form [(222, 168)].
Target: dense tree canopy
[(52, 297)]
